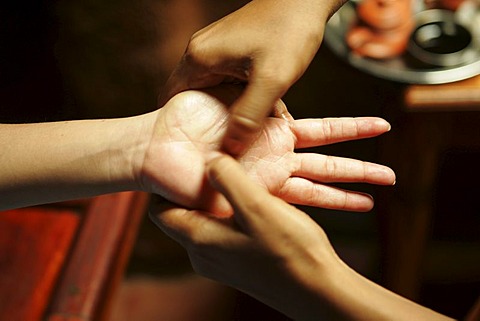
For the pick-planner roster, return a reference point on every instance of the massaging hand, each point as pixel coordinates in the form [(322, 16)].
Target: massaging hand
[(252, 251), (189, 131), (277, 254), (267, 44)]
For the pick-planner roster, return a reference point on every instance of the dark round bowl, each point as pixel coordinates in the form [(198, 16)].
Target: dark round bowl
[(440, 39)]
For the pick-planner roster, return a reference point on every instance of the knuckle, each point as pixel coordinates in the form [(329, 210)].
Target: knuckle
[(275, 78), (279, 74), (364, 170), (345, 201), (331, 168), (356, 128), (190, 56), (284, 80), (194, 50), (315, 195), (327, 128), (246, 122)]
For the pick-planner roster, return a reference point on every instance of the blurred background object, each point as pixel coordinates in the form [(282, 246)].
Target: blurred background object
[(382, 28), (409, 41)]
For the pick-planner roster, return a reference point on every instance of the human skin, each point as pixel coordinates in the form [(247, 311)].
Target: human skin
[(267, 45), (164, 152), (276, 253)]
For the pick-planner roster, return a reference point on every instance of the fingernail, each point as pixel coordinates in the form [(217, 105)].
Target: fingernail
[(383, 123)]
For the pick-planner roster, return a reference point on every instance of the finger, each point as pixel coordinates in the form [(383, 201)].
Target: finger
[(192, 227), (246, 197), (316, 132), (328, 169), (248, 114), (304, 192), (280, 111)]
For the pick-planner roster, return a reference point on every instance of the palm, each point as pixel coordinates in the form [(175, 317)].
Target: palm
[(195, 123)]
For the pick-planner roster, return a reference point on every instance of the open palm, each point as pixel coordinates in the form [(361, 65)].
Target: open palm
[(189, 130)]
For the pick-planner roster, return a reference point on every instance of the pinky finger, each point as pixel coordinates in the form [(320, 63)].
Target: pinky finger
[(301, 191)]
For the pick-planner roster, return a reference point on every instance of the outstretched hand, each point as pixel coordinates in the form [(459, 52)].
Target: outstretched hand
[(189, 131), (266, 44)]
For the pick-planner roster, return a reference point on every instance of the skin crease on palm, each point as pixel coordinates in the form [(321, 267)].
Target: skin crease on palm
[(195, 123)]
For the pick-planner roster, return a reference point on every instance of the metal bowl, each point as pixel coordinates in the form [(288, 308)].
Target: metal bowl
[(407, 68), (440, 39)]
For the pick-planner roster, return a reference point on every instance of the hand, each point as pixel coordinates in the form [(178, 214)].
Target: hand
[(277, 254), (252, 251), (189, 129), (267, 44)]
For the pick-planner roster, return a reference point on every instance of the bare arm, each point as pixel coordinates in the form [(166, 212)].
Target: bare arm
[(48, 162)]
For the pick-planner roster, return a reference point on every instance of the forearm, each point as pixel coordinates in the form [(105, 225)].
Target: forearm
[(49, 162), (350, 296), (320, 286)]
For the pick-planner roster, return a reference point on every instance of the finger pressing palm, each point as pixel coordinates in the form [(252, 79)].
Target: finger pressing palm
[(190, 129)]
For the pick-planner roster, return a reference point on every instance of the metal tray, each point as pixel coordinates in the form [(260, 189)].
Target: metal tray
[(404, 68)]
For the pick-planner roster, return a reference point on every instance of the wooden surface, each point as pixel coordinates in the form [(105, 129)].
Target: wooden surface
[(99, 257), (457, 96), (34, 245), (64, 261)]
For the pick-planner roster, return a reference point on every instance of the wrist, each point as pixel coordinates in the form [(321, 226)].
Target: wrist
[(67, 160), (323, 282), (131, 141), (313, 16)]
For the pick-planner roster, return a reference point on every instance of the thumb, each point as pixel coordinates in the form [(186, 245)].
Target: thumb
[(248, 114), (249, 200)]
